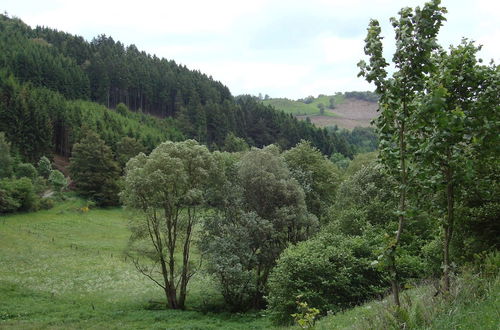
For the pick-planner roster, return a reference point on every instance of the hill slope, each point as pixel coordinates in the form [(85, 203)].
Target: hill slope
[(347, 110), (109, 73), (66, 269)]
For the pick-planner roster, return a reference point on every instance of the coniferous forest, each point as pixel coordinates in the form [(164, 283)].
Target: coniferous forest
[(137, 193), (53, 76)]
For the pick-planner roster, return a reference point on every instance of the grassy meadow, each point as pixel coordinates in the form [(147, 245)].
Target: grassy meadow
[(66, 269), (298, 108)]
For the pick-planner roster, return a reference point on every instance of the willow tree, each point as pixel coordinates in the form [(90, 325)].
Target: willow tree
[(167, 189), (415, 34)]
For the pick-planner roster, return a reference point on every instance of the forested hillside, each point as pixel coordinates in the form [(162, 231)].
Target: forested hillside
[(173, 204), (44, 72)]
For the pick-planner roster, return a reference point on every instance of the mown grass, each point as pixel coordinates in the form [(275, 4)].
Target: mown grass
[(63, 268)]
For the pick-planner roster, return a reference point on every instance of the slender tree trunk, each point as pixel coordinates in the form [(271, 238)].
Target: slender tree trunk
[(448, 226), (402, 210)]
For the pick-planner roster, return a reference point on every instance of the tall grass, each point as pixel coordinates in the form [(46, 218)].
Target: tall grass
[(472, 303)]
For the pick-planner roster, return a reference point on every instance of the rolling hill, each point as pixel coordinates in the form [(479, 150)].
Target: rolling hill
[(349, 110)]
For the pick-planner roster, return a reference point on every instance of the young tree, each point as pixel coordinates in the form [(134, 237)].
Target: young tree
[(94, 171), (416, 32), (167, 188), (58, 181), (44, 167), (451, 122)]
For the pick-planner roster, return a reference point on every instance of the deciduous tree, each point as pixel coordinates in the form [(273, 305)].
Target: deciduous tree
[(167, 188), (415, 33)]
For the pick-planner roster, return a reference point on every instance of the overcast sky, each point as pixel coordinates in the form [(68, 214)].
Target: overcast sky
[(282, 48)]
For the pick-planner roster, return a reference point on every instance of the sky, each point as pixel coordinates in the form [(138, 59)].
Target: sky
[(283, 48)]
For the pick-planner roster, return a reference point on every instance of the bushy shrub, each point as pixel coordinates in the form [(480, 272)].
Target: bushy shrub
[(331, 272), (46, 203), (17, 195), (44, 167), (57, 180), (26, 170)]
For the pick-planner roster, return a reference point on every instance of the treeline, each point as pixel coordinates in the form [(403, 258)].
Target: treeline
[(361, 139), (38, 121), (107, 72), (364, 96)]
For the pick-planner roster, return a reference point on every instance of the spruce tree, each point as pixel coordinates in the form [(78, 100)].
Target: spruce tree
[(94, 171)]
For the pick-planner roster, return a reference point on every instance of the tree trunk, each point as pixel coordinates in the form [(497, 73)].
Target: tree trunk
[(169, 288), (448, 227), (185, 261), (401, 209)]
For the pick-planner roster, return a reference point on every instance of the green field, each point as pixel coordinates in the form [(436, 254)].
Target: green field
[(298, 108), (66, 269), (63, 269)]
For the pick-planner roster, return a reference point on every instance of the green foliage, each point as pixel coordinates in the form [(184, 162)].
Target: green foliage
[(453, 153), (168, 189), (340, 160), (44, 68), (6, 160), (471, 303), (44, 167), (365, 96), (318, 177), (306, 316), (330, 271), (416, 40), (17, 195), (127, 148), (58, 181), (359, 161), (46, 203), (232, 143), (26, 170), (260, 210), (94, 171), (362, 139)]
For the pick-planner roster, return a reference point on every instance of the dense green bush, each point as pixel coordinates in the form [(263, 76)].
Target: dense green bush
[(17, 195), (26, 170), (57, 180), (44, 167), (330, 272), (46, 203)]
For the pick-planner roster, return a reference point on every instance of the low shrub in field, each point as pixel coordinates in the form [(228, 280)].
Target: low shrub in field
[(17, 195), (330, 272), (46, 203)]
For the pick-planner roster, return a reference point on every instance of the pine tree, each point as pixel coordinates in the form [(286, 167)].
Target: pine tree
[(94, 171)]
